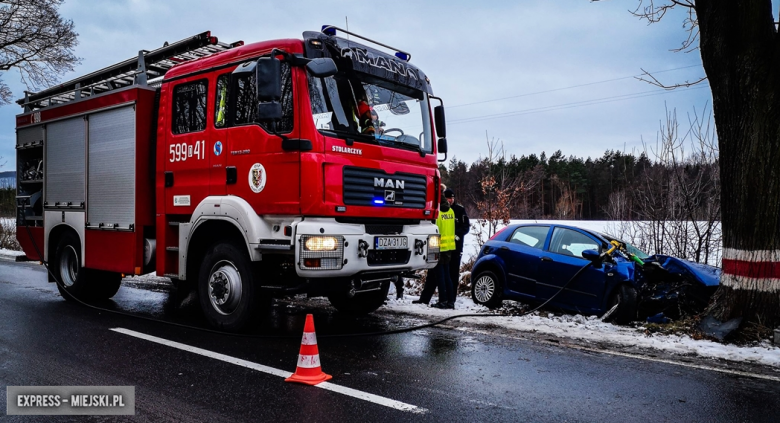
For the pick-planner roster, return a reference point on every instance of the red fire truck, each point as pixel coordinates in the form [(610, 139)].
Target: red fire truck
[(245, 171)]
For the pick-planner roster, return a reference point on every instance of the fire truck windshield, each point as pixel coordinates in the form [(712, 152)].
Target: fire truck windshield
[(375, 112)]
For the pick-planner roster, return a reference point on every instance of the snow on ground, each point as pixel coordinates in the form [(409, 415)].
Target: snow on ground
[(586, 328), (7, 252), (590, 328)]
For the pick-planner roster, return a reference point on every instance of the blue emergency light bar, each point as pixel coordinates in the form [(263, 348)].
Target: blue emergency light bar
[(330, 30)]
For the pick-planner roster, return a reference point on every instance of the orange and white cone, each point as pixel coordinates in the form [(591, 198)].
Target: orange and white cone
[(309, 370)]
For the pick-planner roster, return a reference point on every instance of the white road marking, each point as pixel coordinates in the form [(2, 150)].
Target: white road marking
[(376, 399), (387, 402), (622, 354)]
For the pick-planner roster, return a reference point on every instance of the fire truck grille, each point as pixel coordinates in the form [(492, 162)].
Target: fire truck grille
[(384, 229), (374, 187), (387, 257)]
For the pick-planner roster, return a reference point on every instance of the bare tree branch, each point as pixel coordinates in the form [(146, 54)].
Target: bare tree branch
[(37, 41), (654, 81)]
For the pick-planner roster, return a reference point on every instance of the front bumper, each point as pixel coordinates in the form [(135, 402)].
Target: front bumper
[(359, 254)]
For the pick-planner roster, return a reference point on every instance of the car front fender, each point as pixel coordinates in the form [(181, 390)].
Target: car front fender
[(491, 262)]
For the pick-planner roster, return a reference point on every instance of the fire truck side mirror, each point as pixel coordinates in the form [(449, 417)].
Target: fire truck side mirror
[(268, 73), (322, 67), (438, 119), (269, 79), (442, 146)]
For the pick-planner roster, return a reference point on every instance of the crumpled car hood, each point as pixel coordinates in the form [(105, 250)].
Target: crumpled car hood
[(704, 274)]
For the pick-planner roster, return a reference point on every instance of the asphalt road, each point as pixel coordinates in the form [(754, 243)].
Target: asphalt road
[(437, 374)]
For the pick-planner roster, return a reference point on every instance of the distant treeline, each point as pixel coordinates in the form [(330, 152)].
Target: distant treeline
[(7, 194), (7, 179), (616, 186)]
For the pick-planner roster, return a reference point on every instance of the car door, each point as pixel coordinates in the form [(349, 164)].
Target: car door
[(521, 254), (562, 260)]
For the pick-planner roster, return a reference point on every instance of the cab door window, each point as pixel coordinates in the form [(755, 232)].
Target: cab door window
[(189, 107), (221, 101), (245, 109)]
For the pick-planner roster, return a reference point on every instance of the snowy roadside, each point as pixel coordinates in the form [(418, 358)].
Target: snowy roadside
[(588, 329), (592, 330), (12, 255)]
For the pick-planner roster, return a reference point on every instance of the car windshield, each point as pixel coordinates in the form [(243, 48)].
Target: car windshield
[(376, 112), (636, 251), (630, 248)]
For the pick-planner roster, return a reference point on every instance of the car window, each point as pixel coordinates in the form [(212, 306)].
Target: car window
[(531, 236), (571, 243)]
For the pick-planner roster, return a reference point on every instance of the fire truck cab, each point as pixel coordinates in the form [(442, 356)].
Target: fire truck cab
[(242, 171)]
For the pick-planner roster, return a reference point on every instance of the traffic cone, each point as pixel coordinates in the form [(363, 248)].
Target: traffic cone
[(309, 370)]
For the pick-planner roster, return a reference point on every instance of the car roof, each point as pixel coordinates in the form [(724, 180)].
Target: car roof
[(599, 235)]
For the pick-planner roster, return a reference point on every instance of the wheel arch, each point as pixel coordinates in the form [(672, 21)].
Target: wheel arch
[(207, 232), (489, 263), (54, 236), (611, 289)]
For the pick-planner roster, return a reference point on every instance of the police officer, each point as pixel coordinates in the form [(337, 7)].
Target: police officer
[(462, 227), (439, 276)]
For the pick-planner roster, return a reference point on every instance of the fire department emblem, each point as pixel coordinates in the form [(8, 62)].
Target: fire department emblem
[(218, 148), (257, 178)]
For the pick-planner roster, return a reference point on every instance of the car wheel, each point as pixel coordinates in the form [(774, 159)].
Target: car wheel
[(227, 289), (624, 297), (360, 303), (487, 289)]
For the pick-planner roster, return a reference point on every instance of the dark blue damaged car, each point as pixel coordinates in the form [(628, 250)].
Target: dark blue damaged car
[(533, 262)]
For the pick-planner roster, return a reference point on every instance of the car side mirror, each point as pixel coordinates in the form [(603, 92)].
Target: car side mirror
[(322, 67), (592, 255)]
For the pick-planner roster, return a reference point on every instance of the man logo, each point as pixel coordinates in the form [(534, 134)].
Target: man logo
[(389, 195), (388, 183)]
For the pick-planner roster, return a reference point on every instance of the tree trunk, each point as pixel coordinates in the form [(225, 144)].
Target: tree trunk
[(741, 56)]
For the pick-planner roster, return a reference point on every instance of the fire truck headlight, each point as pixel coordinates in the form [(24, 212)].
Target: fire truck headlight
[(433, 248), (321, 243), (433, 242), (321, 252)]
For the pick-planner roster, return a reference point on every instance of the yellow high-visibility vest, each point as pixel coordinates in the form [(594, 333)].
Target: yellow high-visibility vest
[(446, 224)]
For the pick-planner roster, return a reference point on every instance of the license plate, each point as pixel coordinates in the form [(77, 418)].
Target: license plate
[(391, 243)]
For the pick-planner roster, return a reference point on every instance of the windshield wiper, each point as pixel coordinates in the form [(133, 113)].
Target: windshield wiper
[(350, 135), (401, 144)]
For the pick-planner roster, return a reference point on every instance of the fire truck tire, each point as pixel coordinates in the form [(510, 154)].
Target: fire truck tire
[(103, 284), (226, 287), (72, 279), (79, 282), (360, 303)]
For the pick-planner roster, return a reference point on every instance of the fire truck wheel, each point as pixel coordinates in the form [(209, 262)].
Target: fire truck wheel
[(72, 281), (226, 288), (359, 303), (103, 284)]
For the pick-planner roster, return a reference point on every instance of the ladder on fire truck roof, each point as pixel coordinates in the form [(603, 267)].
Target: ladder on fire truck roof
[(136, 71)]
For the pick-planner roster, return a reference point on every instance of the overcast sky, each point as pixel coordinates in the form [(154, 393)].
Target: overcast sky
[(535, 75)]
